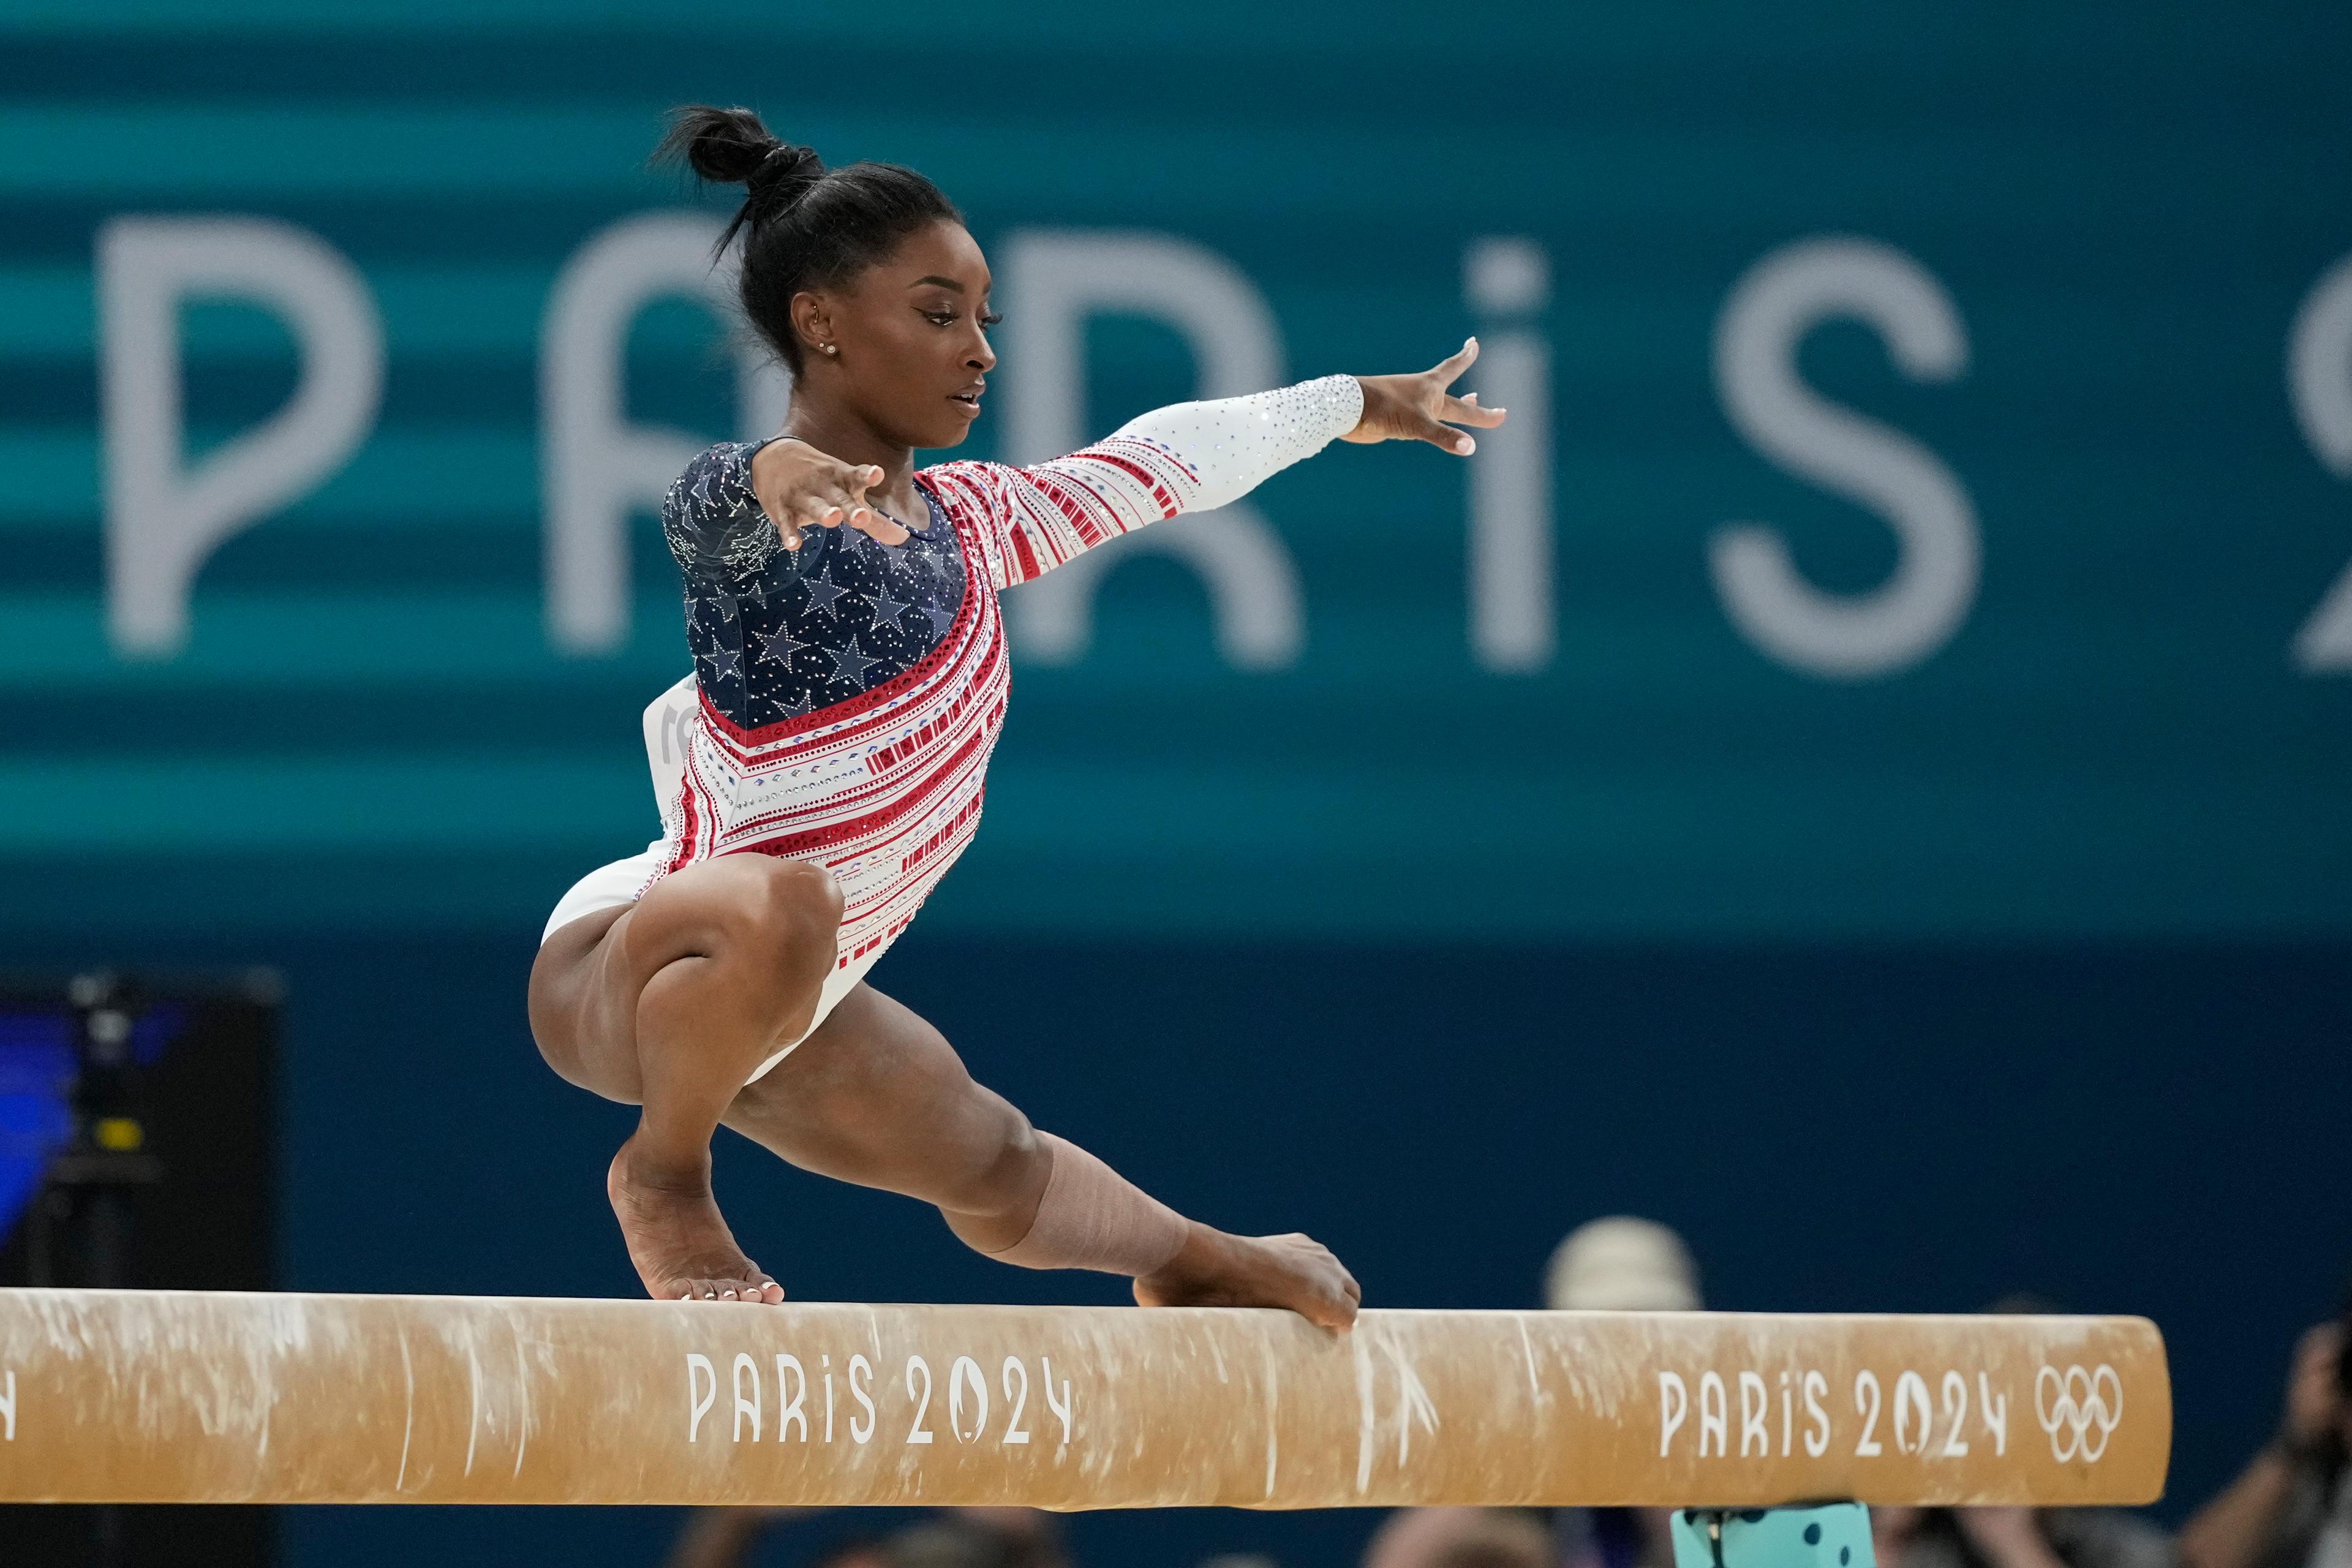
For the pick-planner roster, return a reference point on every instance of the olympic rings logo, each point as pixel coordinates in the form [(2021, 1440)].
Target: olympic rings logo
[(2081, 1413)]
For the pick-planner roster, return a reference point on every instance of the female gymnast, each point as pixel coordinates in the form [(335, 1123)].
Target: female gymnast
[(850, 679)]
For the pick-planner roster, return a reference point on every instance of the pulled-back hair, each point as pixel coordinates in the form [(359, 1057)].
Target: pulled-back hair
[(803, 226)]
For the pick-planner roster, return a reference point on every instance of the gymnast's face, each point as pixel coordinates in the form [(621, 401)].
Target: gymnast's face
[(909, 339)]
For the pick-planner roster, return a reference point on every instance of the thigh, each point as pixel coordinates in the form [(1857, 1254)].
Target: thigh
[(574, 1007), (877, 1097), (590, 974)]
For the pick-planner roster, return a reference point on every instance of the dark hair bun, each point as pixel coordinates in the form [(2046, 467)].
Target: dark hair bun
[(785, 175), (732, 147), (803, 225)]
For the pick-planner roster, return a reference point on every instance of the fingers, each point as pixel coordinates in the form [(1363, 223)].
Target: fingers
[(869, 521), (795, 517), (822, 494), (864, 520), (795, 523), (1448, 371), (780, 513), (839, 498), (1466, 411), (853, 479), (846, 504), (1457, 442), (825, 512), (877, 526)]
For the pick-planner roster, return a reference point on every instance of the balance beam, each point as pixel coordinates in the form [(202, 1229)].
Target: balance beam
[(184, 1397)]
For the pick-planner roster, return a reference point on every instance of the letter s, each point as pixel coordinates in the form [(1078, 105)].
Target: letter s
[(1817, 1440), (1922, 602), (861, 1379), (2319, 384)]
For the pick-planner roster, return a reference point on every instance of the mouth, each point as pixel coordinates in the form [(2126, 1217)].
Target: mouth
[(969, 398)]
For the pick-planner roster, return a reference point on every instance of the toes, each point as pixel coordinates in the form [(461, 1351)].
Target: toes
[(756, 1290)]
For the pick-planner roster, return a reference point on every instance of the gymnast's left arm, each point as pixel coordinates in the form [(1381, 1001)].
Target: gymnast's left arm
[(1191, 456)]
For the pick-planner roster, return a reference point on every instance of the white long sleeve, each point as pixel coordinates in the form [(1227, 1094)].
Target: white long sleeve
[(1188, 456), (1234, 444)]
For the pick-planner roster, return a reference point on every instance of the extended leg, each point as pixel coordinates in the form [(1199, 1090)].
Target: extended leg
[(877, 1097)]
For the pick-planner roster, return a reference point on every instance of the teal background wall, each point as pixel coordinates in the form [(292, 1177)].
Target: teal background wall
[(2016, 965), (2124, 206)]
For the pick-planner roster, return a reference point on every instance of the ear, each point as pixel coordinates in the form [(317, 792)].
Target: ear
[(812, 320)]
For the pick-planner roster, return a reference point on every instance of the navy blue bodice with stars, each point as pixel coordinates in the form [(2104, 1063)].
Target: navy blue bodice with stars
[(779, 633)]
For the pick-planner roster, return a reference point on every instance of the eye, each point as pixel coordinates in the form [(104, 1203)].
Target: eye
[(990, 318), (941, 317)]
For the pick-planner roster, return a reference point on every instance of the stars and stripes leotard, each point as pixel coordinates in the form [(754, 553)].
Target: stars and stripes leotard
[(848, 694)]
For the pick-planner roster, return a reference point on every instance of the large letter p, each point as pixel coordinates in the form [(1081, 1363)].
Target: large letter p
[(164, 520)]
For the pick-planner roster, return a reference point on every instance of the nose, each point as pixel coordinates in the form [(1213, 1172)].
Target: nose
[(983, 358)]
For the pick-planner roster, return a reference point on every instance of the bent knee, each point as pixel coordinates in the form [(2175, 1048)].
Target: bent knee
[(776, 912), (788, 907), (1008, 1173)]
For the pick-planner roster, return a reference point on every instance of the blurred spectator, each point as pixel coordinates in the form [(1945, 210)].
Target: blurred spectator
[(723, 1537), (978, 1538), (1035, 1535), (1615, 1264), (2017, 1538), (1460, 1538), (955, 1538), (1620, 1265), (2289, 1508)]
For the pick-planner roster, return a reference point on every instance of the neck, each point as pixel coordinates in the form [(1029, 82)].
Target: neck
[(846, 437)]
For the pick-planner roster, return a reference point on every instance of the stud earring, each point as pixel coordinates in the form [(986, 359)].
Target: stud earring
[(831, 348)]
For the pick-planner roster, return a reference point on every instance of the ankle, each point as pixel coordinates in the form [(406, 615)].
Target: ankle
[(643, 1165), (1205, 1253)]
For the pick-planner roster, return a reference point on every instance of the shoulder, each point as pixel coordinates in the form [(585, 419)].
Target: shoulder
[(711, 518), (717, 476), (967, 484)]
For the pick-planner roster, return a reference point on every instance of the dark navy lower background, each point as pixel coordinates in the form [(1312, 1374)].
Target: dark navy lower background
[(2143, 1129)]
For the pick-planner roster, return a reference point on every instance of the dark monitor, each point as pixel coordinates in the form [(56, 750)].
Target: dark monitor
[(139, 1149)]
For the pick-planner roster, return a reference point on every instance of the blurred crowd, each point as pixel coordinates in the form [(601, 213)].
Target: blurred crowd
[(2288, 1507)]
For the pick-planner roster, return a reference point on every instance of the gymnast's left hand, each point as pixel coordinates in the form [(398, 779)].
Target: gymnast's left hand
[(1419, 408), (801, 487)]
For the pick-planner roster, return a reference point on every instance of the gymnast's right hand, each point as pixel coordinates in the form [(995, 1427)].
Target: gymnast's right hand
[(800, 487)]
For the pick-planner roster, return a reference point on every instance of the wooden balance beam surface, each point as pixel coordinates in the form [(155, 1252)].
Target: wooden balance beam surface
[(171, 1396)]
